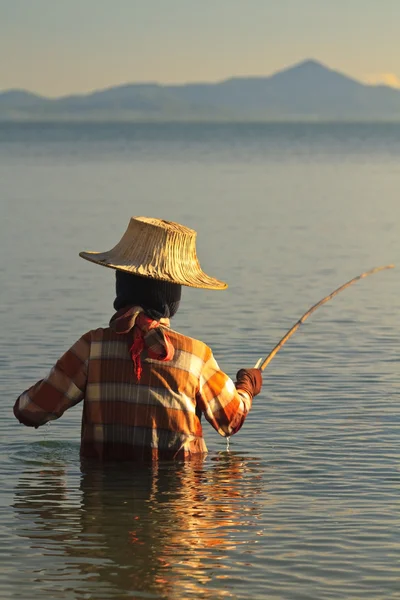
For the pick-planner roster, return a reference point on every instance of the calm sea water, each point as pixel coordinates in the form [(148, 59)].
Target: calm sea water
[(306, 503)]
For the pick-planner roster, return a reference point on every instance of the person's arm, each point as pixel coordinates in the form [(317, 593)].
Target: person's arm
[(64, 387), (225, 404)]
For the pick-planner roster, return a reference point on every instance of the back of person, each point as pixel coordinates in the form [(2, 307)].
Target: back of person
[(158, 416), (143, 385)]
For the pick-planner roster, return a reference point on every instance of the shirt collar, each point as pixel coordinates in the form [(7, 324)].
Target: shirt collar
[(124, 319)]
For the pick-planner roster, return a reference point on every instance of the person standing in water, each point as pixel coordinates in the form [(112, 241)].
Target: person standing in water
[(144, 386)]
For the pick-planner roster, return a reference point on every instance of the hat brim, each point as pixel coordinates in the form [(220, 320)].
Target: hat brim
[(193, 277)]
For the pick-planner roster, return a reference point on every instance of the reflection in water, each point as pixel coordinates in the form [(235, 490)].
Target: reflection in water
[(167, 530)]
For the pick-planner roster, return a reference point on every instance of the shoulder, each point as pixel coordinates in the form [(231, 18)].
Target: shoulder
[(188, 344), (104, 341), (98, 334)]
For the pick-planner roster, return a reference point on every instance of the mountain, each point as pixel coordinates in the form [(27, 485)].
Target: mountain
[(307, 90)]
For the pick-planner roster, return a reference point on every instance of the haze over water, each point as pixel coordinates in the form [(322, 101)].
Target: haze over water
[(306, 503)]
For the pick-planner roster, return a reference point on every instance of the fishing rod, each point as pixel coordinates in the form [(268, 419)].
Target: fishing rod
[(261, 364)]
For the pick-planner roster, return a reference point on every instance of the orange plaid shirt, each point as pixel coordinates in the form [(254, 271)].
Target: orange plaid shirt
[(158, 417)]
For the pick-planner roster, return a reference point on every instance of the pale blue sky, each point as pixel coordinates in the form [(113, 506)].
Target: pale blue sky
[(57, 47)]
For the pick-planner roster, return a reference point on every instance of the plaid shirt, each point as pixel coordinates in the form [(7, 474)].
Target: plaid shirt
[(123, 418)]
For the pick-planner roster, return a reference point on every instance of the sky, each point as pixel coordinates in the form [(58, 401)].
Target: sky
[(58, 47)]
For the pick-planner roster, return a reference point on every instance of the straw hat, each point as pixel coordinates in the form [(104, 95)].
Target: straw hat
[(160, 250)]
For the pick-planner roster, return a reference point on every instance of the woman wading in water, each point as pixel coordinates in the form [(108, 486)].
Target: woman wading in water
[(143, 385)]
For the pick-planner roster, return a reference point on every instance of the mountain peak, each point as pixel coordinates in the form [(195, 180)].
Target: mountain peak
[(310, 63), (307, 66), (311, 72)]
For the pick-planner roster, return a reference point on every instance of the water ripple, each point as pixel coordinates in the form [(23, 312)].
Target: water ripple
[(306, 504)]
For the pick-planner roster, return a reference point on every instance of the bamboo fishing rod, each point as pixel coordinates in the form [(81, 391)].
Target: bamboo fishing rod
[(261, 364)]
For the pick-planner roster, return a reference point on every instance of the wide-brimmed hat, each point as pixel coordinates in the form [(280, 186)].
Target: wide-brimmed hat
[(157, 249)]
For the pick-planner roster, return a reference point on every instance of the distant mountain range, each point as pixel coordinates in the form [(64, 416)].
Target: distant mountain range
[(305, 91)]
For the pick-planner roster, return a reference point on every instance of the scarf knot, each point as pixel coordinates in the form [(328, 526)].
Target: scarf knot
[(147, 335)]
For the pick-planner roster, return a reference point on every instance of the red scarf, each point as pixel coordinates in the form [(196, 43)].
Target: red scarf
[(147, 334)]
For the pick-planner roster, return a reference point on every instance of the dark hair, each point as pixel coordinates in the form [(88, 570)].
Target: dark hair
[(158, 298)]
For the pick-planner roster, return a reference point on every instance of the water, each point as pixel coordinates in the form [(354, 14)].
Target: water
[(305, 504)]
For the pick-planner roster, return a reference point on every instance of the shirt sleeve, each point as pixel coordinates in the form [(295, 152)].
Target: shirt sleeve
[(64, 387), (224, 407)]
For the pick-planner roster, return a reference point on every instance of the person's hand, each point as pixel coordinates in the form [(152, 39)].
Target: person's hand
[(22, 420), (249, 380)]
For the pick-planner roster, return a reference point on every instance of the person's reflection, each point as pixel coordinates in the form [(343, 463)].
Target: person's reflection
[(161, 529)]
